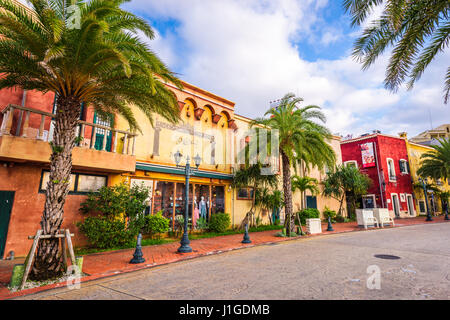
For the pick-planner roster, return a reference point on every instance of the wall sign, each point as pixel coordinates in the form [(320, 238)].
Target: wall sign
[(368, 155)]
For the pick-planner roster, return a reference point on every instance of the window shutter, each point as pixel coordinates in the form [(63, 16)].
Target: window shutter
[(407, 166), (400, 164)]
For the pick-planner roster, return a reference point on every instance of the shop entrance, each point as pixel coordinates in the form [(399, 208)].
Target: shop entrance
[(204, 200)]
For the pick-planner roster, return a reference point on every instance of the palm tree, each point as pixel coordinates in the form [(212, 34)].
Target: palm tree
[(102, 63), (252, 177), (416, 30), (303, 184), (296, 127), (343, 181), (436, 163), (275, 202)]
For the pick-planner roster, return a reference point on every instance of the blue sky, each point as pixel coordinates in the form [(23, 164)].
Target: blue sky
[(255, 51)]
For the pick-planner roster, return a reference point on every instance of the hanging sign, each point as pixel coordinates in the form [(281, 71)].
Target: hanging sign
[(368, 155)]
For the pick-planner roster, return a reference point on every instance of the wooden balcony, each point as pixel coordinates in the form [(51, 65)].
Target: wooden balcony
[(24, 140)]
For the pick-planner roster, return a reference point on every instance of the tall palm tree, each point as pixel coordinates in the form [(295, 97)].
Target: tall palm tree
[(436, 163), (102, 63), (417, 31), (296, 127), (304, 184)]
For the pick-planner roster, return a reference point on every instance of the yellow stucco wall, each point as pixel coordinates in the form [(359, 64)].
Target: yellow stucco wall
[(415, 151)]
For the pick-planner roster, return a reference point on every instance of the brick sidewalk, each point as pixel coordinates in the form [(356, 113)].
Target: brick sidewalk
[(105, 264)]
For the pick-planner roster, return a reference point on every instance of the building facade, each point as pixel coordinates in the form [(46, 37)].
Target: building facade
[(384, 159), (26, 119), (108, 153), (427, 137), (415, 151)]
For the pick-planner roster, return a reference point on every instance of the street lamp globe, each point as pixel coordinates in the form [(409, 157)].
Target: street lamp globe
[(197, 160), (177, 157)]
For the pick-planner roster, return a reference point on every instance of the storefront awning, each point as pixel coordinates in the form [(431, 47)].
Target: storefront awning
[(173, 170)]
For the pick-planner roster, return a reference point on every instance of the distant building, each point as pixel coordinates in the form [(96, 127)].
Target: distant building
[(415, 151), (384, 159), (429, 137)]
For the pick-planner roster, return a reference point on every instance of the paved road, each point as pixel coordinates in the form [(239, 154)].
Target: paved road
[(326, 267)]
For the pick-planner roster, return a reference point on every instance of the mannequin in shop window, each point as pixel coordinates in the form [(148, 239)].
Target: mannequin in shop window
[(203, 208), (196, 211)]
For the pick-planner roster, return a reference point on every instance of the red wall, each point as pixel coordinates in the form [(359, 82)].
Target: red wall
[(28, 206), (385, 147), (39, 101)]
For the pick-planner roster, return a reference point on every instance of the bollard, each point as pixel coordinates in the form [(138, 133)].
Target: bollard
[(17, 275), (137, 256), (246, 236), (330, 227)]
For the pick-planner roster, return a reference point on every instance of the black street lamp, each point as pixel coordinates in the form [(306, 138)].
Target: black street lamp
[(445, 208), (185, 248), (424, 185)]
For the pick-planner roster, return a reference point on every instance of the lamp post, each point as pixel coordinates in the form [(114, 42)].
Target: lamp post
[(185, 248), (445, 208), (423, 182)]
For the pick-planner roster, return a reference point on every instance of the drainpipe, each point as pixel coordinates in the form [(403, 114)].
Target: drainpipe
[(380, 181)]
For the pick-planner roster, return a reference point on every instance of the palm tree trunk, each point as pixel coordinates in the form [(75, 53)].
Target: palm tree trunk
[(49, 263), (290, 226)]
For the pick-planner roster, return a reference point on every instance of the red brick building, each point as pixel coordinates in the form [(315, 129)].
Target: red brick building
[(384, 159)]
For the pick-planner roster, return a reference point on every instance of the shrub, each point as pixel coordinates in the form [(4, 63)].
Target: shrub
[(105, 233), (219, 222), (201, 224), (115, 201), (309, 213), (329, 213), (156, 224)]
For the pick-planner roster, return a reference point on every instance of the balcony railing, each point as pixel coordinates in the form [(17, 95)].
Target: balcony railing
[(22, 125)]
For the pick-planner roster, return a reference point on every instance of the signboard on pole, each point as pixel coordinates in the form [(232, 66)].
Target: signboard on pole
[(368, 155)]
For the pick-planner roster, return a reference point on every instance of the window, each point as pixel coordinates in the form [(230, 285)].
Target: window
[(391, 170), (369, 201), (403, 164), (46, 175), (311, 202), (422, 206), (245, 194), (80, 183), (351, 163)]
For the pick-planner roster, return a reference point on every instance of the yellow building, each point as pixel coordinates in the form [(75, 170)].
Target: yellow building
[(426, 137), (210, 129), (415, 151)]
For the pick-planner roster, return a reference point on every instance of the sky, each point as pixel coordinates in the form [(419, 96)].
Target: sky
[(255, 51)]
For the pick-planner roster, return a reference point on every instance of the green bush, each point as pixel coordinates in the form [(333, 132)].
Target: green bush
[(201, 224), (219, 222), (104, 233), (329, 213), (156, 224), (309, 213), (118, 200)]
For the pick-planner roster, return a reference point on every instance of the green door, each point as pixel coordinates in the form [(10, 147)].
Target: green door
[(6, 203), (100, 133)]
